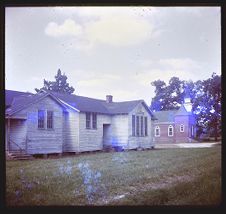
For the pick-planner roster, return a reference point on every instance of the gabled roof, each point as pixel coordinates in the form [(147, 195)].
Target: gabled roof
[(168, 116), (10, 95), (83, 103), (121, 107), (87, 104), (182, 111), (80, 103), (24, 101), (165, 116)]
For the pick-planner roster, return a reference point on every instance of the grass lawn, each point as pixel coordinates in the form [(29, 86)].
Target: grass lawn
[(181, 176)]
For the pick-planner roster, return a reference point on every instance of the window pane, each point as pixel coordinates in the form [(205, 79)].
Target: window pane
[(94, 120), (41, 117), (192, 131), (133, 125), (88, 120), (146, 126), (49, 119), (137, 125), (157, 131), (141, 124), (170, 131)]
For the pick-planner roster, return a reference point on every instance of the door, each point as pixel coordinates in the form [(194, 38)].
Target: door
[(18, 135), (106, 135)]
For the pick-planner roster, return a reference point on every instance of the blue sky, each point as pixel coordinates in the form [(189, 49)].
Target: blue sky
[(111, 50)]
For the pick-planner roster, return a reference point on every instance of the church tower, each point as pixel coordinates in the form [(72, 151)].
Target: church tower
[(187, 102), (185, 121)]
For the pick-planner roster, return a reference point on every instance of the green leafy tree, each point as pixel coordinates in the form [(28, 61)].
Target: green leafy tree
[(59, 85), (158, 102), (207, 106), (205, 96), (168, 97)]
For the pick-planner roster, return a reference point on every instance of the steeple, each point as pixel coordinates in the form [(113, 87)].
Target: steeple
[(187, 101)]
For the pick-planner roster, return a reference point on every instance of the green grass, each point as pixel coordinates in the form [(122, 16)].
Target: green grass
[(151, 177)]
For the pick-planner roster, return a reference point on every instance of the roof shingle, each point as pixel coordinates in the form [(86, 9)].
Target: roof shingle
[(10, 95), (81, 103), (165, 116)]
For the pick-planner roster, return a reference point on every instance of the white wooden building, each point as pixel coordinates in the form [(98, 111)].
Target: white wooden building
[(49, 122)]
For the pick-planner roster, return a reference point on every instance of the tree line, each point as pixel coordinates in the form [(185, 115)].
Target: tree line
[(205, 97)]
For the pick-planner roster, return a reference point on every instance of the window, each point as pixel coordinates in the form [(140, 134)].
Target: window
[(49, 119), (170, 131), (137, 126), (41, 117), (88, 120), (133, 125), (157, 131), (142, 126), (94, 120), (182, 128), (192, 131), (146, 126)]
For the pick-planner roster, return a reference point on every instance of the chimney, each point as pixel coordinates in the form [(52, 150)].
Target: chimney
[(109, 98)]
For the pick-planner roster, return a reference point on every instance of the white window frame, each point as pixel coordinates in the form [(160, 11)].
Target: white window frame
[(157, 127), (170, 126), (181, 125)]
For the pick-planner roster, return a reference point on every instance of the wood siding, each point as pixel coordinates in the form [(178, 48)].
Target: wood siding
[(119, 130), (43, 141), (140, 141), (70, 131), (18, 133), (92, 139)]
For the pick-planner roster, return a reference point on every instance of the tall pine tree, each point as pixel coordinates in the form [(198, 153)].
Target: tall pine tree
[(60, 85)]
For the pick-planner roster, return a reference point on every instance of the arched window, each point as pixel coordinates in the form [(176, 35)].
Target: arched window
[(182, 128), (157, 131), (170, 131)]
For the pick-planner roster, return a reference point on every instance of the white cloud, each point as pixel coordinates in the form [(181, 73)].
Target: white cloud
[(164, 69), (119, 30), (103, 12), (115, 26), (145, 62), (191, 10), (68, 28), (179, 63), (98, 80)]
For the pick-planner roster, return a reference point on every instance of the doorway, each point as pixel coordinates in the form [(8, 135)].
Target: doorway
[(106, 135)]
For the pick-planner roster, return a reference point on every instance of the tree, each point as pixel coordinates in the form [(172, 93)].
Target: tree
[(168, 97), (205, 96), (157, 102), (208, 106), (60, 85)]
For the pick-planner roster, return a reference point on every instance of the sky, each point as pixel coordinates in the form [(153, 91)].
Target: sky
[(113, 50)]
